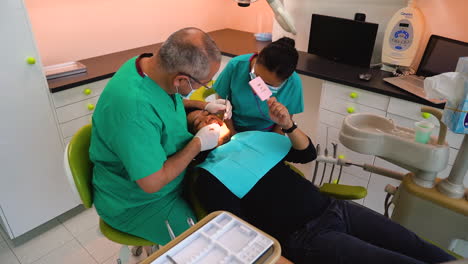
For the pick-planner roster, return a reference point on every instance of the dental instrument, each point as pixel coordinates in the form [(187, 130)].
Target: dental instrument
[(316, 164), (324, 167), (335, 148), (190, 221), (339, 175), (169, 229), (171, 259), (225, 104)]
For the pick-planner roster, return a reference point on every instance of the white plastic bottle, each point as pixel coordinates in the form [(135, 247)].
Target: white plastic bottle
[(403, 36)]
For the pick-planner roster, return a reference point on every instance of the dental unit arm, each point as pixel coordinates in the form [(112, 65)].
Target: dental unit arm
[(281, 15), (367, 167)]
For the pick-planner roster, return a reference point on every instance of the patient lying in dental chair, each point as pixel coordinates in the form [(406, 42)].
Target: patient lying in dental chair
[(248, 177)]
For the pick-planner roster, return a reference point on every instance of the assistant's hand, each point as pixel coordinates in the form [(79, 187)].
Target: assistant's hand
[(209, 136), (219, 105), (279, 113)]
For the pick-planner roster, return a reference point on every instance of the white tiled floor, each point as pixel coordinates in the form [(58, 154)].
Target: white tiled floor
[(71, 238)]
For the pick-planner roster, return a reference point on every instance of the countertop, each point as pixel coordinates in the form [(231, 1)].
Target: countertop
[(234, 42)]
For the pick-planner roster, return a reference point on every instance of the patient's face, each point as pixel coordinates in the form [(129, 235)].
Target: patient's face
[(198, 119)]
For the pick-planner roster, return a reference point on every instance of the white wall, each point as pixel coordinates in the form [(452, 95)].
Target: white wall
[(377, 11)]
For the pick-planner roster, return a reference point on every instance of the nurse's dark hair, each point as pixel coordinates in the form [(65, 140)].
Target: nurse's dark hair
[(280, 57), (189, 51)]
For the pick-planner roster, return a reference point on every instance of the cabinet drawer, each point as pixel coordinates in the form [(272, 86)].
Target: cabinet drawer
[(344, 107), (79, 109), (76, 94), (454, 140), (330, 118), (69, 128), (409, 110), (333, 136), (335, 90)]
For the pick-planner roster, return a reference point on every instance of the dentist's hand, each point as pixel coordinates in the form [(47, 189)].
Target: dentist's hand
[(279, 113), (209, 136), (220, 105)]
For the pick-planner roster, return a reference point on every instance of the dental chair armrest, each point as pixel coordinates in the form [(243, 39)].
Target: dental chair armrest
[(344, 192)]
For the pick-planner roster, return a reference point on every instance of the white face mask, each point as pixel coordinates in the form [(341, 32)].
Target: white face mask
[(273, 89)]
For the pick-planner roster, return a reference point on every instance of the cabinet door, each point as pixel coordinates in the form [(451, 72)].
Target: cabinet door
[(33, 187)]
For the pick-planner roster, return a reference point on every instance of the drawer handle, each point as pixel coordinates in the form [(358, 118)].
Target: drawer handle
[(425, 115), (351, 109), (90, 107), (353, 95), (87, 91), (31, 60), (341, 157)]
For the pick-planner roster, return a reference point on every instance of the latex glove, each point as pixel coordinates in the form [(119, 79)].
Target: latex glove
[(219, 105), (209, 136)]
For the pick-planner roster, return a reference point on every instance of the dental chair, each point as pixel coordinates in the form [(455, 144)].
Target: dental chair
[(339, 191), (79, 171)]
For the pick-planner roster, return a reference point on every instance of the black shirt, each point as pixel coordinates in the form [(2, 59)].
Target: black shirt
[(280, 203)]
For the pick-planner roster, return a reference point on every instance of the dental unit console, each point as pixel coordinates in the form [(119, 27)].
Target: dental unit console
[(433, 208)]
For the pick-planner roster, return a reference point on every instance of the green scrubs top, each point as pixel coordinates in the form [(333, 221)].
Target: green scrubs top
[(136, 127), (248, 111)]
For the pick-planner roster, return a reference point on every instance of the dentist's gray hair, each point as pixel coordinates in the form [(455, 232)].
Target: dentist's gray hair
[(190, 51)]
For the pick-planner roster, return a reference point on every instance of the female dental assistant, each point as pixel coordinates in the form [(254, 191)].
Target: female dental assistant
[(275, 65)]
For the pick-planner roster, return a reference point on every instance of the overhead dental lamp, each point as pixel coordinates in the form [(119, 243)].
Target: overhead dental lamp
[(281, 15)]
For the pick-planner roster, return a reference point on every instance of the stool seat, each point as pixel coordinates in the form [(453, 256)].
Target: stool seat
[(122, 237)]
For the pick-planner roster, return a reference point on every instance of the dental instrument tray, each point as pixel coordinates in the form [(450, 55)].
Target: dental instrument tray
[(64, 69), (224, 239)]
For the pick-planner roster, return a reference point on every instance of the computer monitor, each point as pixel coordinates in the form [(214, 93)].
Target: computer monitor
[(342, 40), (441, 55)]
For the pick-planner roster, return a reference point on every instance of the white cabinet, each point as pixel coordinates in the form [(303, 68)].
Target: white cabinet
[(33, 186), (75, 107), (337, 101)]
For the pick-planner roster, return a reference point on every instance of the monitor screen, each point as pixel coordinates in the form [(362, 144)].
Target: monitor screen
[(342, 40), (441, 55)]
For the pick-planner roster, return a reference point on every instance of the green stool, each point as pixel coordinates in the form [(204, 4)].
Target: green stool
[(79, 170)]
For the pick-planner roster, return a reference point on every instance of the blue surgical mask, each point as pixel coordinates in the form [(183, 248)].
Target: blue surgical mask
[(191, 92), (275, 89)]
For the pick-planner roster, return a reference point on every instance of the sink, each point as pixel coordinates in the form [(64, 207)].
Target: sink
[(376, 135)]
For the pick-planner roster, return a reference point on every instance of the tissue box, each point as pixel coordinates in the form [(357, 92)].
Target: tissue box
[(456, 116)]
